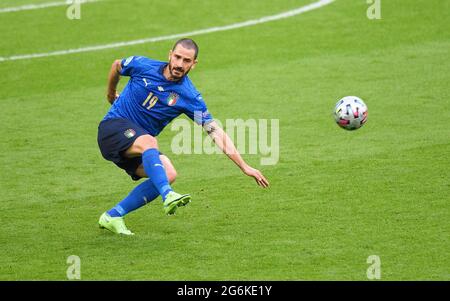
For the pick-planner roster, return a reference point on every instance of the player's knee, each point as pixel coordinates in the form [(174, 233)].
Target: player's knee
[(141, 144), (146, 142)]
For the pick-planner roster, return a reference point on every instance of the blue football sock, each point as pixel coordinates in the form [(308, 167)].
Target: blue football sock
[(142, 194), (155, 171)]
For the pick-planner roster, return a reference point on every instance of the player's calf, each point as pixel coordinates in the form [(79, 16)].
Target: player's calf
[(171, 172)]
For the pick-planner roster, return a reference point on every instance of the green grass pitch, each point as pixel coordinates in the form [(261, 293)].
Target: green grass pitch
[(336, 197)]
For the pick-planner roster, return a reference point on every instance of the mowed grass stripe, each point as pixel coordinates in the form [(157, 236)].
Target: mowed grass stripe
[(247, 23), (43, 31)]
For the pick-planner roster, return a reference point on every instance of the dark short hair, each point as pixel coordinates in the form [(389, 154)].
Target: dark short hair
[(187, 43)]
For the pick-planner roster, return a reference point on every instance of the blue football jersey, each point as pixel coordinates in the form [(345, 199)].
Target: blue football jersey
[(151, 101)]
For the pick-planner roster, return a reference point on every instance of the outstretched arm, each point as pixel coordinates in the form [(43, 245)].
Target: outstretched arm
[(113, 80), (223, 141)]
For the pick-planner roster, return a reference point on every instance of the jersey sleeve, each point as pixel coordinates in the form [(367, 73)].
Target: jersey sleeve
[(131, 66), (198, 111)]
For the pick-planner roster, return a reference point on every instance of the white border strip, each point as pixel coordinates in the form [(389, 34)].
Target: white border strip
[(266, 19), (44, 5)]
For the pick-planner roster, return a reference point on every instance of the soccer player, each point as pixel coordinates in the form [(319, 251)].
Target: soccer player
[(156, 93)]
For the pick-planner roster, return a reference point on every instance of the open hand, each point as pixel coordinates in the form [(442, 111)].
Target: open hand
[(257, 175)]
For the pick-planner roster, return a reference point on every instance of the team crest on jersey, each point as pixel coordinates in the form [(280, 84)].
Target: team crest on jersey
[(172, 99), (129, 133)]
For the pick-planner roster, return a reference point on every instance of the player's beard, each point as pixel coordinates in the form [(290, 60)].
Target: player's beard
[(176, 77)]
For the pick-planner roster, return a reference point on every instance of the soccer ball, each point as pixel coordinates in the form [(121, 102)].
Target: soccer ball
[(350, 113)]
